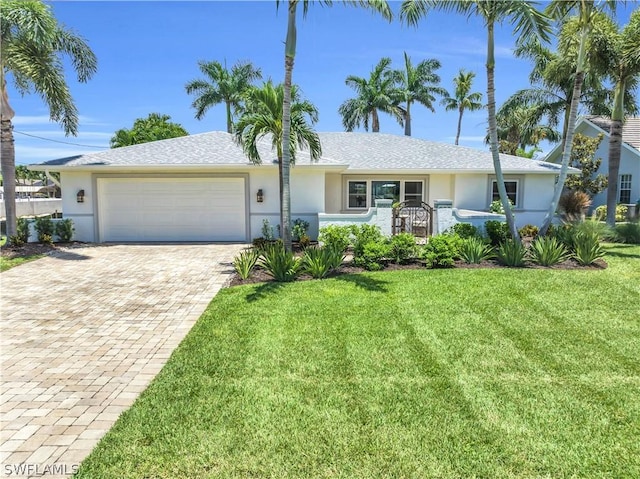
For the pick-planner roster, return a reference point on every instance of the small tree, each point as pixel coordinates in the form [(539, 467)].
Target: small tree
[(154, 127), (583, 157)]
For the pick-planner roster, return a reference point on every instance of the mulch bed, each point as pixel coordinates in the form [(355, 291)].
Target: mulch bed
[(30, 249)]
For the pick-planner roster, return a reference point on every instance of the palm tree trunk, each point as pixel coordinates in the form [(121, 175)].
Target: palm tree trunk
[(375, 121), (615, 147), (229, 119), (493, 135), (290, 52), (459, 125), (8, 160), (407, 120)]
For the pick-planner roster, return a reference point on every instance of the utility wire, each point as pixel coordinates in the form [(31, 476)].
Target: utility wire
[(59, 141)]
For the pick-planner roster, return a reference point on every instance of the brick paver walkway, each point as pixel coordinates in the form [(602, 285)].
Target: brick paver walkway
[(82, 335)]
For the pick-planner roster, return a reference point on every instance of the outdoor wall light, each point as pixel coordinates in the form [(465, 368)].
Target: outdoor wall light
[(260, 196), (80, 196)]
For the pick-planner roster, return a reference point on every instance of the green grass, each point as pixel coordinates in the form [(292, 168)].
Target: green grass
[(8, 263), (469, 373)]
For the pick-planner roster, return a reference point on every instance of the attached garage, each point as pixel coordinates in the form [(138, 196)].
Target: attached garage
[(171, 209)]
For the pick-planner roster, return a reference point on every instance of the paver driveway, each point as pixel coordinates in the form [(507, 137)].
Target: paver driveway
[(83, 334)]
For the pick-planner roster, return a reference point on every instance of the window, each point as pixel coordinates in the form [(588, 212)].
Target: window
[(357, 194), (413, 193), (625, 189), (512, 191), (385, 190)]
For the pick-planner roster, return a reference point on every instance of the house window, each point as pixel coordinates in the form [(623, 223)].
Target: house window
[(385, 190), (413, 193), (625, 189), (357, 194), (512, 191)]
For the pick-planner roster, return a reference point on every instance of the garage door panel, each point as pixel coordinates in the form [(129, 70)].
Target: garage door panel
[(171, 209)]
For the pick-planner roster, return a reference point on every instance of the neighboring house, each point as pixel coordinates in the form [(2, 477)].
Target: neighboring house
[(629, 174), (203, 188)]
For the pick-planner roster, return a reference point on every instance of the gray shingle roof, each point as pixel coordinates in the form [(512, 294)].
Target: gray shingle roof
[(358, 151), (630, 129)]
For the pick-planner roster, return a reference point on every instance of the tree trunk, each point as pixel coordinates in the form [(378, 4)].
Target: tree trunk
[(459, 125), (229, 119), (493, 135), (407, 120), (290, 52), (8, 160), (375, 121), (615, 147)]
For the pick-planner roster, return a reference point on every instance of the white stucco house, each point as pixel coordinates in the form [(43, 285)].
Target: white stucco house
[(203, 188), (629, 174)]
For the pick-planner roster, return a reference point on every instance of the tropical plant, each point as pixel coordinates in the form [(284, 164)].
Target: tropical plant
[(547, 251), (587, 248), (32, 48), (512, 253), (319, 262), (380, 6), (402, 247), (222, 86), (628, 232), (64, 230), (462, 99), (363, 235), (418, 84), (281, 264), (474, 250), (574, 205), (620, 212), (583, 157), (465, 230), (267, 230), (155, 127), (528, 23), (519, 127), (335, 237), (378, 93), (263, 118), (44, 228), (529, 230), (496, 207), (22, 230), (245, 262), (299, 229), (497, 231), (372, 255), (441, 251)]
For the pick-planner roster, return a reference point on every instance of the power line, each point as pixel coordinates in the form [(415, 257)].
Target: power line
[(59, 141)]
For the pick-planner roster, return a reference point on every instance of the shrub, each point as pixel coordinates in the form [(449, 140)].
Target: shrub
[(22, 232), (281, 264), (304, 241), (299, 229), (497, 231), (530, 231), (16, 240), (245, 262), (44, 227), (512, 253), (363, 235), (335, 237), (496, 207), (628, 233), (402, 247), (587, 248), (473, 250), (441, 251), (267, 230), (547, 251), (64, 229), (319, 262), (372, 255), (621, 212), (574, 204), (465, 230)]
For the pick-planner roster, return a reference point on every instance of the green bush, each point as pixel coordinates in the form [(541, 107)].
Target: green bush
[(245, 262), (22, 231), (512, 253), (363, 235), (267, 230), (587, 248), (441, 251), (335, 237), (319, 262), (627, 233), (45, 228), (299, 229), (548, 251), (281, 264), (474, 250), (496, 207), (530, 231), (402, 247), (621, 212), (497, 231), (64, 229), (567, 232), (372, 255), (465, 230)]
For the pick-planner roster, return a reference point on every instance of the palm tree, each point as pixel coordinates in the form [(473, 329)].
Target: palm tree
[(33, 45), (462, 99), (419, 84), (222, 86), (561, 9), (377, 93), (624, 69), (289, 57), (519, 127), (262, 118), (528, 22)]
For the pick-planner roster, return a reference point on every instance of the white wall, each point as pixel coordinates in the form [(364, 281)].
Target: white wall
[(82, 214), (471, 192), (333, 193), (440, 187)]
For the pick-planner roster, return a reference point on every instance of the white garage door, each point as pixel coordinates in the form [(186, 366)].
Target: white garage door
[(171, 209)]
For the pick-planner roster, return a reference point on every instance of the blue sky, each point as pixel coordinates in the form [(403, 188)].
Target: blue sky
[(148, 51)]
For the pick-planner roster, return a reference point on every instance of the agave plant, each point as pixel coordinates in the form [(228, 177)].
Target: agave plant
[(281, 264), (245, 262), (474, 250), (512, 253), (548, 251)]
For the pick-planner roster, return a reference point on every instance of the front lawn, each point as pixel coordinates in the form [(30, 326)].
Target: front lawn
[(493, 373), (8, 263)]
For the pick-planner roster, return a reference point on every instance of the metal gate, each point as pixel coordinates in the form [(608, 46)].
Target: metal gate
[(411, 218)]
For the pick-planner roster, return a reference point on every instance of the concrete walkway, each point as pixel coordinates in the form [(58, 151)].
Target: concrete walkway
[(82, 335)]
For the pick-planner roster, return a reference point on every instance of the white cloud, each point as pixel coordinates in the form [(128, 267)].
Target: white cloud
[(21, 120)]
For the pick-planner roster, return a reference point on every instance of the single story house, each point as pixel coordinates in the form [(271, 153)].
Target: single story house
[(629, 174), (203, 188)]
